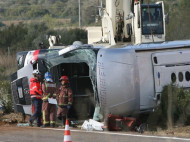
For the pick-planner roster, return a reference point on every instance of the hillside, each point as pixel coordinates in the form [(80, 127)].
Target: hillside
[(63, 13), (40, 9)]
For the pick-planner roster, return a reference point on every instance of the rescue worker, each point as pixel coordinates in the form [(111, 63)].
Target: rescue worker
[(64, 99), (36, 96), (48, 108)]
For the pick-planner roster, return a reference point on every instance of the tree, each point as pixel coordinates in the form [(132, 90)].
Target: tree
[(174, 107), (49, 20)]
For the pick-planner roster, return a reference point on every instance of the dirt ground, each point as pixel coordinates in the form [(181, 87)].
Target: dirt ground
[(175, 132), (11, 120)]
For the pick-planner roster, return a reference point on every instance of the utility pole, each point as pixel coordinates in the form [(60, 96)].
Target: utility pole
[(79, 16)]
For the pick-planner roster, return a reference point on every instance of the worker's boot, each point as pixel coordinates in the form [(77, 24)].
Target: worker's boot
[(45, 125), (60, 118), (30, 123), (52, 125), (63, 121)]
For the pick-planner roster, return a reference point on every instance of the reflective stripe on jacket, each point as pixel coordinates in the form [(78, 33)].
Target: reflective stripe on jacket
[(35, 88), (49, 90)]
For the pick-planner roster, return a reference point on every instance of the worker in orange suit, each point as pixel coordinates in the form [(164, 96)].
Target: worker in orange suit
[(64, 99), (49, 107), (36, 96)]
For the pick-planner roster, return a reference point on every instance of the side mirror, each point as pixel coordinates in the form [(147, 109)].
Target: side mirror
[(167, 18)]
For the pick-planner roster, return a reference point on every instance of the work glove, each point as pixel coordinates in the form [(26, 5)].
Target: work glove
[(68, 107)]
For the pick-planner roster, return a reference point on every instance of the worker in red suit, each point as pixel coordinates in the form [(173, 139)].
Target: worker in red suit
[(64, 99), (49, 107), (36, 96)]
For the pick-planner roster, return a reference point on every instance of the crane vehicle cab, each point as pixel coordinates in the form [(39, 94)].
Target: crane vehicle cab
[(129, 21)]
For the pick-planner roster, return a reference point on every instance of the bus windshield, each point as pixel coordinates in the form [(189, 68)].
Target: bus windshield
[(152, 19)]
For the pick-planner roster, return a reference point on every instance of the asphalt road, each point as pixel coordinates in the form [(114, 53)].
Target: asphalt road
[(34, 134)]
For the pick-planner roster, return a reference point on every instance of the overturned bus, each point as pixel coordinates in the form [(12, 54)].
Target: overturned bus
[(121, 80)]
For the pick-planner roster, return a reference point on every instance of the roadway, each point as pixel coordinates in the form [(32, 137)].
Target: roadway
[(34, 134)]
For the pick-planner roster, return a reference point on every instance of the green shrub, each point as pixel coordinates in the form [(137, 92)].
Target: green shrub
[(5, 96), (179, 111)]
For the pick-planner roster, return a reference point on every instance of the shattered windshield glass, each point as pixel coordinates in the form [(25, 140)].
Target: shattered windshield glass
[(81, 55), (88, 56)]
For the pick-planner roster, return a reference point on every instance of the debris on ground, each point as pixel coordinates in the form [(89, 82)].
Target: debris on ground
[(183, 131), (23, 124), (74, 124), (92, 125), (16, 120), (12, 118)]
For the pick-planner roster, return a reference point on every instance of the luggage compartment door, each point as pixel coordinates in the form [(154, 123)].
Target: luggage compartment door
[(173, 66)]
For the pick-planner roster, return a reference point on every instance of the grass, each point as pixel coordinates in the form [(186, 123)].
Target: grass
[(8, 65), (60, 21)]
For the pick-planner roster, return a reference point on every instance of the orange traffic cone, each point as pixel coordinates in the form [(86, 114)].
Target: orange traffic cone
[(67, 134)]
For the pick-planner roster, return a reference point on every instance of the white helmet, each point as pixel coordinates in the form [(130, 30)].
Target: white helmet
[(36, 72)]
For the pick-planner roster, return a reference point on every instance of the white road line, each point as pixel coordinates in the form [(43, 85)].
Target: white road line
[(7, 141), (122, 134)]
